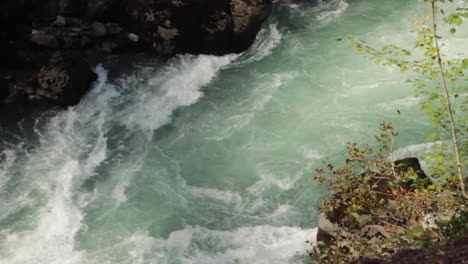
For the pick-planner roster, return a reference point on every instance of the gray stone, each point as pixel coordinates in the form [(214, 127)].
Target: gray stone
[(133, 37), (327, 230), (167, 33), (60, 21)]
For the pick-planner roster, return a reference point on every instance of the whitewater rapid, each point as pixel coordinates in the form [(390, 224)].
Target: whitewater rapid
[(206, 159)]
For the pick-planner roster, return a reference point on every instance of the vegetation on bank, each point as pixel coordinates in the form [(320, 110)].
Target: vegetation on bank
[(378, 207)]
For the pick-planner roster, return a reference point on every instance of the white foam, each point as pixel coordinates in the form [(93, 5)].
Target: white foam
[(262, 244), (178, 84), (53, 239), (268, 178), (289, 3), (283, 210), (54, 170), (250, 108), (415, 150), (327, 16), (228, 197), (404, 103), (311, 153), (142, 243), (125, 174), (265, 42), (118, 193), (99, 152), (358, 90), (7, 159)]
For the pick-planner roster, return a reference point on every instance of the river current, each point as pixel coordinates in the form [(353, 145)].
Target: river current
[(205, 159)]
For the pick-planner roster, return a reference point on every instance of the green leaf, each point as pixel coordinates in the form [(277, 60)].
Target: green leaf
[(418, 230), (355, 215), (410, 236)]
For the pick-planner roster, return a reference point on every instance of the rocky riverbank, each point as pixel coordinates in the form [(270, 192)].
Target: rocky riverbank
[(379, 207), (49, 48)]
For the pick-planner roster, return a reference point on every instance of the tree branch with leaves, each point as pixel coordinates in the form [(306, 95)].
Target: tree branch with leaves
[(448, 75)]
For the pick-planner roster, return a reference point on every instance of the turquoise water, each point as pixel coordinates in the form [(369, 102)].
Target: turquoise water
[(204, 159)]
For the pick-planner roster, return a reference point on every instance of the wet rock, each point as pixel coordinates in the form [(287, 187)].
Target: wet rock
[(247, 17), (45, 40), (64, 81)]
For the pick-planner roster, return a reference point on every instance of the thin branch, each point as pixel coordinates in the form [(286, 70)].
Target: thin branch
[(448, 104)]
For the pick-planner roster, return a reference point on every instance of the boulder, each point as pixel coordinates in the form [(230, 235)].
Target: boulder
[(44, 40), (327, 230), (133, 37), (409, 166)]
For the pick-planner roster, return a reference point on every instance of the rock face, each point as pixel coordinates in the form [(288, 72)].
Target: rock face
[(32, 31), (203, 26), (64, 82)]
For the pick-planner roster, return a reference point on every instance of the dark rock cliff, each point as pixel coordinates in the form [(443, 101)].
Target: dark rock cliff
[(81, 33)]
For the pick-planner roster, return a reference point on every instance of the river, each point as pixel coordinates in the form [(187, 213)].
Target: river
[(205, 159)]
